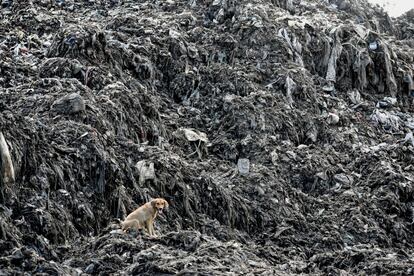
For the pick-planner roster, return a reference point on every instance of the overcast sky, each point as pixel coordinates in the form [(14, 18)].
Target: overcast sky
[(395, 7)]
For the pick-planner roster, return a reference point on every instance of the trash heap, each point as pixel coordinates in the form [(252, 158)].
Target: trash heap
[(280, 132)]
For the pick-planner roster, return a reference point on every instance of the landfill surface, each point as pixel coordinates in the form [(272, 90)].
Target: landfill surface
[(279, 131)]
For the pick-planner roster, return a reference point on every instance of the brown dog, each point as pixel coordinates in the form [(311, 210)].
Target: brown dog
[(144, 216)]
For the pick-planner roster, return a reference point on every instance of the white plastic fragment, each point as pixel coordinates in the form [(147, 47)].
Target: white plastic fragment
[(386, 119), (387, 102), (194, 135), (409, 138), (6, 164), (373, 46), (332, 119), (343, 179), (355, 97), (243, 165), (290, 86), (146, 171)]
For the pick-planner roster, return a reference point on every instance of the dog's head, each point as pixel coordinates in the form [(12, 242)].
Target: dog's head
[(159, 204)]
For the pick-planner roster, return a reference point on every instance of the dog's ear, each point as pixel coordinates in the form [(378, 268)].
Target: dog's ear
[(153, 202), (166, 203)]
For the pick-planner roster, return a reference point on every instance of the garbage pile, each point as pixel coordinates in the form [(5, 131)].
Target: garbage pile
[(280, 133)]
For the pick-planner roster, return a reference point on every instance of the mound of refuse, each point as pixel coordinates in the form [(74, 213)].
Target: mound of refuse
[(280, 132)]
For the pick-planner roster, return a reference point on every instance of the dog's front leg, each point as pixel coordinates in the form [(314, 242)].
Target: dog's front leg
[(148, 226), (151, 225)]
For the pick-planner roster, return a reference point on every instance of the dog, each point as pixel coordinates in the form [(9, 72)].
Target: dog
[(144, 216)]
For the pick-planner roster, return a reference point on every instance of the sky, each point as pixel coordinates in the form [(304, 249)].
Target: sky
[(395, 7)]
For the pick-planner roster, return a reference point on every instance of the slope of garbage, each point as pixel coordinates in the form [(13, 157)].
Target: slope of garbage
[(280, 132)]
